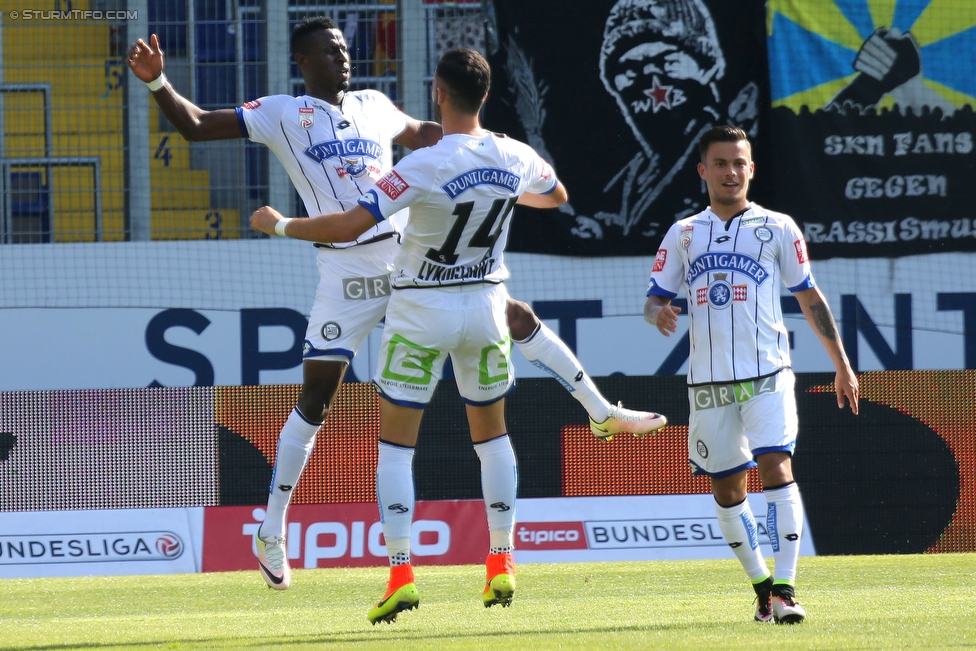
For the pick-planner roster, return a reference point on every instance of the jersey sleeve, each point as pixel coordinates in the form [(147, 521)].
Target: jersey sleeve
[(540, 177), (259, 119), (403, 186), (394, 119), (667, 272), (795, 269)]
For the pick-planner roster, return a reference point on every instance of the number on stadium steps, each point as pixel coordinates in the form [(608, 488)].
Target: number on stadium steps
[(214, 221), (114, 75), (162, 151), (485, 236)]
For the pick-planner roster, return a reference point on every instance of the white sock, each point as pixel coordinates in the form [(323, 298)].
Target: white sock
[(395, 495), (739, 528), (295, 444), (547, 351), (398, 550), (499, 485), (784, 523)]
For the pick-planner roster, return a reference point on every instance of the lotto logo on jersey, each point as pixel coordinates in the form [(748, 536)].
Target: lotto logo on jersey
[(659, 260), (252, 104), (306, 116), (392, 185), (546, 171), (801, 251)]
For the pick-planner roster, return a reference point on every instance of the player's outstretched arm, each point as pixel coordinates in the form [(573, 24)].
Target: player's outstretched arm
[(419, 134), (335, 227), (817, 312), (145, 60)]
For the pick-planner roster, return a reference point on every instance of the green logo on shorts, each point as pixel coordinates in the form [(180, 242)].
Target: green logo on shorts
[(413, 362), (723, 395), (495, 359)]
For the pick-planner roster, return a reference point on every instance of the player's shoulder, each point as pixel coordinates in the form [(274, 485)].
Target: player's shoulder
[(770, 215), (517, 155), (425, 161), (703, 218), (504, 142), (269, 103), (369, 97)]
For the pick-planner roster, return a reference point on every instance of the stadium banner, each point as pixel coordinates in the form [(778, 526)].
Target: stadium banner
[(873, 121), (155, 448), (101, 542), (631, 528), (168, 314), (454, 532), (616, 99), (347, 535)]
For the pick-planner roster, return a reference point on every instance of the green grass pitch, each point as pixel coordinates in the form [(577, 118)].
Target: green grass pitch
[(852, 602)]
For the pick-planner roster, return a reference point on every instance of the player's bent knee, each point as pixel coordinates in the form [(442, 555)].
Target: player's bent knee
[(522, 321)]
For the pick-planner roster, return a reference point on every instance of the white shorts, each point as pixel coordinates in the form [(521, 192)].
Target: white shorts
[(353, 291), (424, 326), (731, 424)]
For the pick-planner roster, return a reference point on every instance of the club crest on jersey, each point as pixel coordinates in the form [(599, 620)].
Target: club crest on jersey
[(763, 234), (685, 238), (719, 293), (306, 117), (351, 157)]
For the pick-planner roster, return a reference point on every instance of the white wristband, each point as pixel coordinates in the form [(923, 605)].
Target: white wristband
[(157, 83), (280, 226)]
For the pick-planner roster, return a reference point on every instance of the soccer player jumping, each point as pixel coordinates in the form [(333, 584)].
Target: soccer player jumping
[(449, 300), (335, 144)]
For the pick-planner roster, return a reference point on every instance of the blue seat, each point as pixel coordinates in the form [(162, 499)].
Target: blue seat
[(30, 200)]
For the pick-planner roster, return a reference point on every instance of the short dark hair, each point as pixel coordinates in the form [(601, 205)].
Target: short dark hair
[(307, 27), (724, 133), (467, 76)]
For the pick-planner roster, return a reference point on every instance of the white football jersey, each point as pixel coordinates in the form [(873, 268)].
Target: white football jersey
[(731, 273), (333, 154), (461, 193)]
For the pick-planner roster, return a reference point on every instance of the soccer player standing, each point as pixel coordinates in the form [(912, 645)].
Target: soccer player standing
[(449, 300), (730, 260), (335, 144)]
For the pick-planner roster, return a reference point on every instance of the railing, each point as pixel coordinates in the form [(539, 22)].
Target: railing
[(33, 192), (7, 165)]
